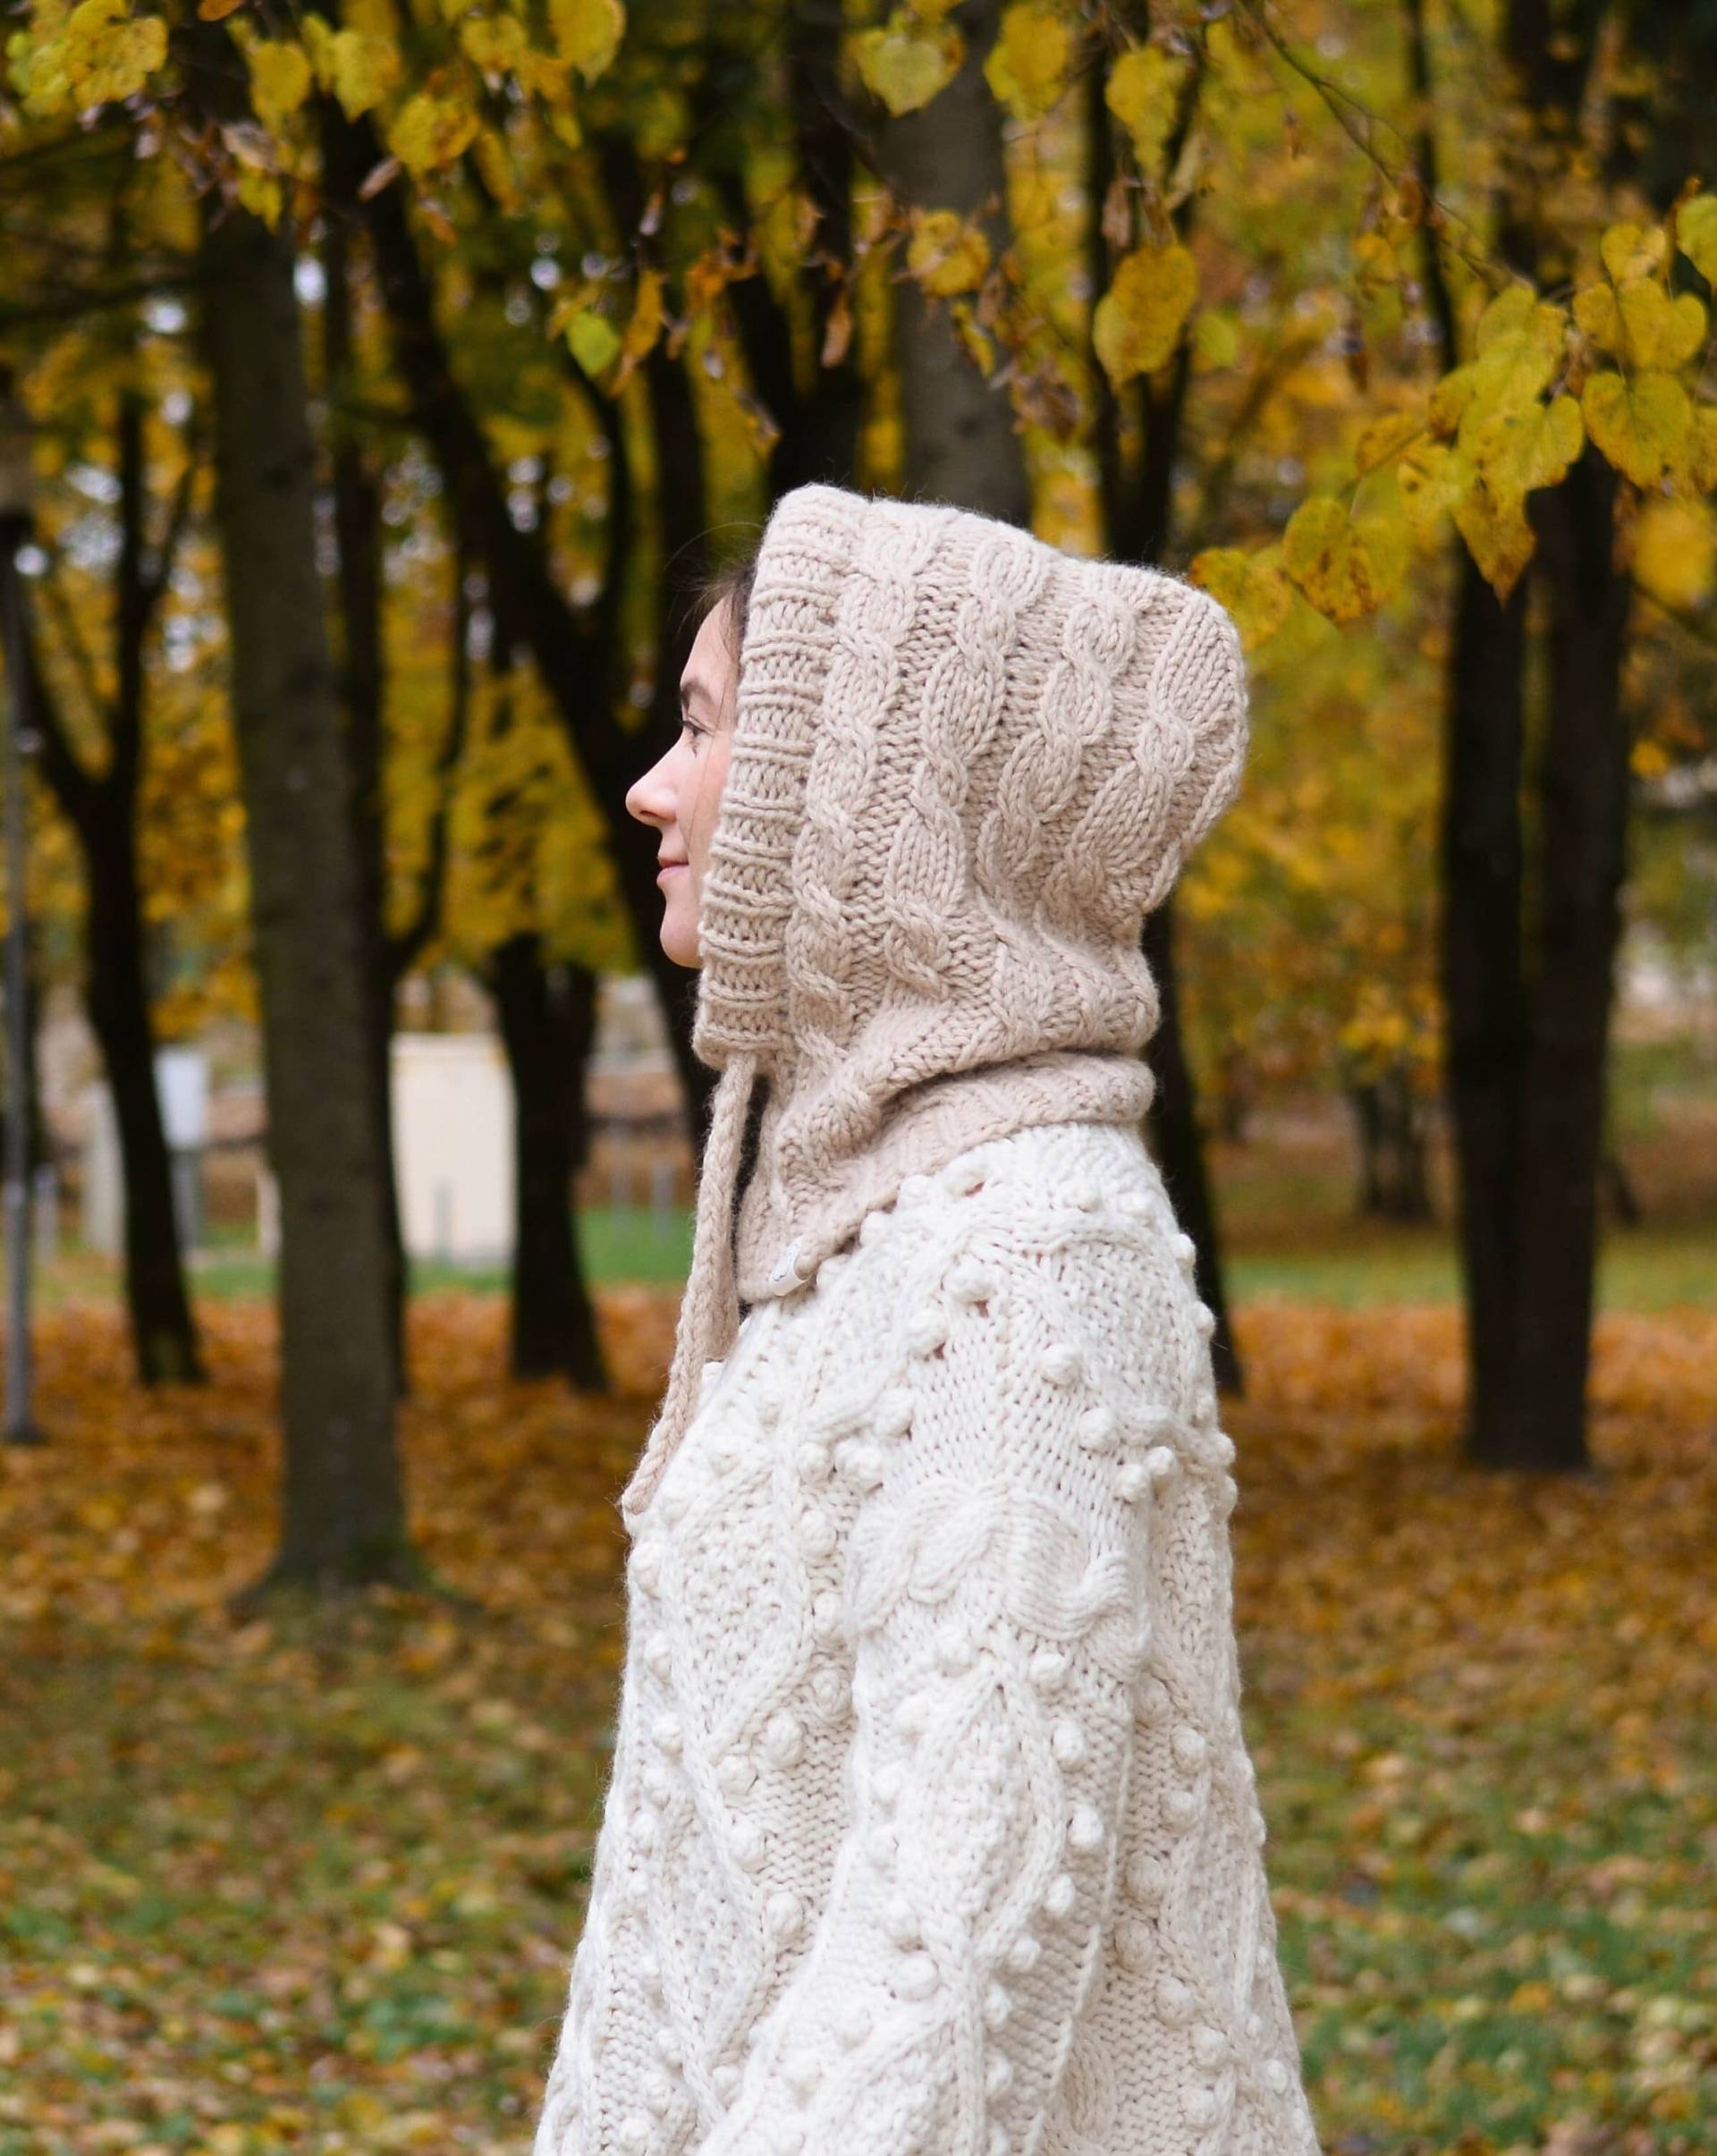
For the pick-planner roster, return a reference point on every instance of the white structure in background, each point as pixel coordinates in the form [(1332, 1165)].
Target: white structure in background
[(181, 1087), (452, 1146), (452, 1152)]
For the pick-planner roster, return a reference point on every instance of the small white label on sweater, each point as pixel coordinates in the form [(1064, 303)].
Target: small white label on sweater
[(785, 1265)]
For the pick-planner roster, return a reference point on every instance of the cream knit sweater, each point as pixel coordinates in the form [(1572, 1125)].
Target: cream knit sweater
[(932, 1830)]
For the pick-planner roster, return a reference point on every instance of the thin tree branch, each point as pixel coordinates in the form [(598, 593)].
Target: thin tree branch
[(1360, 123)]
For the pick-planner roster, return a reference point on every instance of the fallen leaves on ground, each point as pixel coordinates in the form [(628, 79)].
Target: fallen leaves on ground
[(309, 1880)]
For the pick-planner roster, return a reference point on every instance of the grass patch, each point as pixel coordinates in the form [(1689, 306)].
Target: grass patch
[(310, 1882)]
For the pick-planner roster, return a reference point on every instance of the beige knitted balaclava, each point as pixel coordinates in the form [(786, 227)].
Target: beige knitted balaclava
[(965, 766)]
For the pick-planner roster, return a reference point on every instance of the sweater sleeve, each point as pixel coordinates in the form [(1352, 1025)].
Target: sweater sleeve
[(996, 1594)]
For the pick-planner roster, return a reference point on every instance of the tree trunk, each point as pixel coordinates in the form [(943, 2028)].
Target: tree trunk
[(343, 1518), (1367, 1118), (101, 808), (1616, 1197), (1137, 500), (960, 443), (164, 1334), (1482, 986), (1178, 1145), (547, 1022), (1394, 1184), (1583, 785), (820, 425), (357, 523), (576, 655)]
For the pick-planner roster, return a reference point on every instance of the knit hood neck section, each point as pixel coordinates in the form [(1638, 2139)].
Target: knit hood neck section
[(965, 767)]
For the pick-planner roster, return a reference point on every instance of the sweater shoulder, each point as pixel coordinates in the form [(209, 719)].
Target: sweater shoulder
[(1035, 1186), (1053, 1236)]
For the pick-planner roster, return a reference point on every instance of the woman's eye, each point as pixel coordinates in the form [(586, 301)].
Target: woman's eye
[(691, 727)]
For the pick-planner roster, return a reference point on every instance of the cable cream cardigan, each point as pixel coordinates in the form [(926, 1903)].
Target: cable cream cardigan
[(932, 1830)]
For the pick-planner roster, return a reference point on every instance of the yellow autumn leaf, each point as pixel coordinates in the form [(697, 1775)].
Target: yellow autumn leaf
[(1648, 759), (1216, 337), (969, 331), (946, 254), (108, 53), (1510, 314), (1139, 319), (430, 133), (1695, 234), (1519, 343), (1640, 324), (588, 33), (1376, 266), (1432, 479), (1026, 66), (318, 48), (1695, 468), (489, 154), (645, 326), (1144, 92), (260, 194), (1517, 451), (906, 61), (1675, 551), (1631, 250), (1640, 422), (495, 43), (1250, 586), (36, 62), (280, 80), (1386, 436), (366, 68), (1377, 511), (359, 66), (788, 226), (1681, 326), (1334, 561), (1497, 534), (1598, 312), (545, 75)]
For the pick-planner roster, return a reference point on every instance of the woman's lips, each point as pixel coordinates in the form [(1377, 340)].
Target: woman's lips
[(667, 869)]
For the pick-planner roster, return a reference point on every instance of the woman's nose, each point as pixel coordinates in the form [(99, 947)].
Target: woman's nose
[(647, 798)]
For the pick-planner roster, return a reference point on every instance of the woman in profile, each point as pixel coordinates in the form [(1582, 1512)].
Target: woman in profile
[(932, 1828)]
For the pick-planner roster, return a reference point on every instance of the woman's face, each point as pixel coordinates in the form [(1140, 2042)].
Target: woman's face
[(680, 794)]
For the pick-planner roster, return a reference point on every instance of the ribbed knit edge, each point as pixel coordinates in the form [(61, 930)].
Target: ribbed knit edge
[(747, 892)]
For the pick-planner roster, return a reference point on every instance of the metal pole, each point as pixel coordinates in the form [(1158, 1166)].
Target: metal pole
[(19, 1430)]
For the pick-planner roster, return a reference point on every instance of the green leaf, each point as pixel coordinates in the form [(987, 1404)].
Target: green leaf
[(593, 340)]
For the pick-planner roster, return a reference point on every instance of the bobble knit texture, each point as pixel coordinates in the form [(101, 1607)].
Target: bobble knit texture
[(932, 1830)]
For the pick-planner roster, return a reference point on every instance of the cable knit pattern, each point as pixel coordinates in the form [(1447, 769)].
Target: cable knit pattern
[(965, 766), (932, 1830)]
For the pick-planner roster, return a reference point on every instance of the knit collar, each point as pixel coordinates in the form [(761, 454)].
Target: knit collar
[(965, 766)]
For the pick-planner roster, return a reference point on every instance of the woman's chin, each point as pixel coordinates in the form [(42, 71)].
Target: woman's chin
[(679, 944)]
